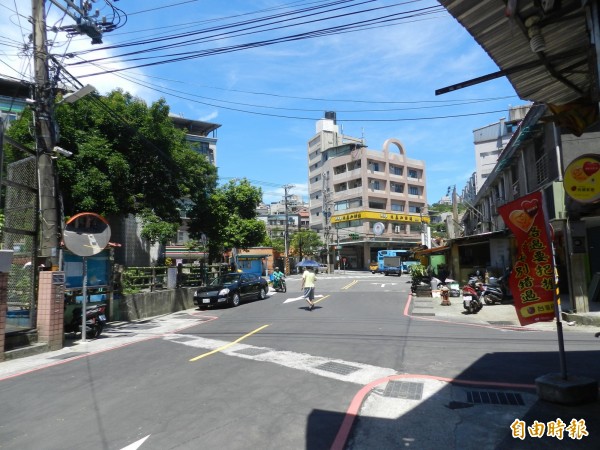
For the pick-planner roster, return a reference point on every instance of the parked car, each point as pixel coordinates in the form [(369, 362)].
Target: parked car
[(231, 289)]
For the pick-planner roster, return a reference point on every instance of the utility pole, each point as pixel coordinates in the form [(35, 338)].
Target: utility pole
[(45, 135), (326, 213), (286, 260), (46, 130)]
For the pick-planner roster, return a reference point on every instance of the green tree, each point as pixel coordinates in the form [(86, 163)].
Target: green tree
[(128, 158), (306, 242), (228, 217)]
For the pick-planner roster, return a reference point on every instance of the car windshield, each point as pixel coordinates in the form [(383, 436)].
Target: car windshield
[(226, 279)]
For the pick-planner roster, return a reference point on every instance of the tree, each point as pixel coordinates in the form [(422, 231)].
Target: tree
[(228, 217), (128, 158), (306, 242)]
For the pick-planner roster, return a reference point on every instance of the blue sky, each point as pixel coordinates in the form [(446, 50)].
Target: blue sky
[(381, 79)]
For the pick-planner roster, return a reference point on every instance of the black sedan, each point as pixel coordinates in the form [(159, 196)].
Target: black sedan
[(231, 289)]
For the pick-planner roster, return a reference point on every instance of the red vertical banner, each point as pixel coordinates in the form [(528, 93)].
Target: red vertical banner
[(532, 277)]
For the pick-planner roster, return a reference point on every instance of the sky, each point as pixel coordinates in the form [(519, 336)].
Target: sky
[(266, 71)]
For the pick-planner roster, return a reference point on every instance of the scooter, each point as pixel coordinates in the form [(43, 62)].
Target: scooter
[(95, 320), (472, 296), (279, 285), (495, 290)]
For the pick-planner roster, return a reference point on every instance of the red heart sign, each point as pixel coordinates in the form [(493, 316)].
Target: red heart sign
[(530, 207), (591, 168)]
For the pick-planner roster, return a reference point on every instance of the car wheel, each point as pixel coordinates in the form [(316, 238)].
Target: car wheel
[(235, 299), (262, 293)]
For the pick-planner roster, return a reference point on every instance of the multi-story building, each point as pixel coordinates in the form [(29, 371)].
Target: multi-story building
[(491, 139), (364, 200)]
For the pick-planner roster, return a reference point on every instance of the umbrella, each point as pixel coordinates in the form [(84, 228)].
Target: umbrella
[(308, 263)]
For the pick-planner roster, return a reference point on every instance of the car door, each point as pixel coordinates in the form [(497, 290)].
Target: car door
[(245, 286)]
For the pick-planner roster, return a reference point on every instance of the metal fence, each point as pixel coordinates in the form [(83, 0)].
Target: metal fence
[(19, 234)]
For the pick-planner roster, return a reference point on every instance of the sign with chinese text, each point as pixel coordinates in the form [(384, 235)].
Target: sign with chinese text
[(379, 216), (582, 179), (532, 278)]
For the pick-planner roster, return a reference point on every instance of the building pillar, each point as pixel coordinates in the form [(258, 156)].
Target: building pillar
[(3, 310), (51, 309), (366, 255)]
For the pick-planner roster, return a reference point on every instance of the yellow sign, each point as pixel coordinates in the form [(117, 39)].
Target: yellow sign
[(582, 179), (372, 215)]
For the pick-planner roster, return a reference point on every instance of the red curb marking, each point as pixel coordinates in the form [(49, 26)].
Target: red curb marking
[(344, 432)]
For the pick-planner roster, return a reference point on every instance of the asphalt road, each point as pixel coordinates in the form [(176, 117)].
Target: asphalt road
[(271, 374)]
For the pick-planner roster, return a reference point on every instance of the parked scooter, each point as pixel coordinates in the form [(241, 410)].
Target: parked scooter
[(472, 295), (495, 291), (95, 320)]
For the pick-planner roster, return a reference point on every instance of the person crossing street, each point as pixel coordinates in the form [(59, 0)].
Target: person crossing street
[(308, 286)]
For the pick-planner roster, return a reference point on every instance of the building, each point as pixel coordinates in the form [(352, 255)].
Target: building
[(491, 139), (364, 200), (558, 134)]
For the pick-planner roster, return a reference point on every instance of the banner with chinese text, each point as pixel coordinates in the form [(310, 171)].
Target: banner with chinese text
[(532, 278)]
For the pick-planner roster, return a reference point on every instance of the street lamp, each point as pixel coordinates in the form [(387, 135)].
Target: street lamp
[(423, 230)]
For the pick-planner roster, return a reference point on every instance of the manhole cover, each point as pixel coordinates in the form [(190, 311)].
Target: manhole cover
[(404, 389), (341, 369), (251, 351), (495, 398)]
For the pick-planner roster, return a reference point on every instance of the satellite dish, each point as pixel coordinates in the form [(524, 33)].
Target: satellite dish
[(86, 234), (378, 228)]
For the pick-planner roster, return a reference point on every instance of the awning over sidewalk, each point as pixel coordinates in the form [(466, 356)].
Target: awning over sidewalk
[(432, 251)]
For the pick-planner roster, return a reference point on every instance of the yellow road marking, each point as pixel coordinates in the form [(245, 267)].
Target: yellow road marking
[(322, 298), (228, 345), (349, 285)]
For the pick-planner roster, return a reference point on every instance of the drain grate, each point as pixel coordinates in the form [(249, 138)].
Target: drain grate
[(404, 389), (341, 369), (251, 351), (68, 355), (495, 398), (142, 326), (500, 322)]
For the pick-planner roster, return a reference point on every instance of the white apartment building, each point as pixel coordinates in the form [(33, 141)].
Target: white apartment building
[(363, 200), (491, 139)]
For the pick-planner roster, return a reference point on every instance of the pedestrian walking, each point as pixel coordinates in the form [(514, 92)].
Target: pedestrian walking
[(308, 287)]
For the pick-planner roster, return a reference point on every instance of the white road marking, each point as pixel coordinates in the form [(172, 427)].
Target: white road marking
[(136, 444), (363, 374), (385, 284), (295, 299)]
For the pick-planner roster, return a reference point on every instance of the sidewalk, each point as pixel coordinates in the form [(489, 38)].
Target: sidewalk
[(504, 314)]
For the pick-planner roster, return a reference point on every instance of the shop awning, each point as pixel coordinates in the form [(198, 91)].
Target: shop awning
[(432, 251)]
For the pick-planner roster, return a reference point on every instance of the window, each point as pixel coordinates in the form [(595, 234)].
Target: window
[(375, 167), (397, 207), (376, 205), (413, 173), (413, 190), (397, 187), (414, 209), (375, 185), (395, 170)]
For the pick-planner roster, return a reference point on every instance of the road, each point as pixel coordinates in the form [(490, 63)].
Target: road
[(271, 374)]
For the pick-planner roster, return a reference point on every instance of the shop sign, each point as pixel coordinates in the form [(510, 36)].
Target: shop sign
[(532, 279), (390, 217), (582, 179)]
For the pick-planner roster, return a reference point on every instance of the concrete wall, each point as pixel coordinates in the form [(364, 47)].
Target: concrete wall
[(149, 304)]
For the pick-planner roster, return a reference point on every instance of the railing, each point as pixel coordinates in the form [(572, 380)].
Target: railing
[(137, 279)]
